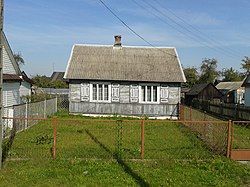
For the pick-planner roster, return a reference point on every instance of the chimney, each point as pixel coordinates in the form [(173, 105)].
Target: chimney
[(118, 41)]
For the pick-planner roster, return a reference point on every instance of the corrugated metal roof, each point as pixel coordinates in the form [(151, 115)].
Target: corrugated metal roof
[(124, 63), (230, 86)]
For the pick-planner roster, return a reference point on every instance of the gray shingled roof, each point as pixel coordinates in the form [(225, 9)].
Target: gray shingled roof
[(229, 86), (126, 64)]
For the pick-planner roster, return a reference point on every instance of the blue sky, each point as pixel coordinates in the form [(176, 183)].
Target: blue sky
[(45, 30)]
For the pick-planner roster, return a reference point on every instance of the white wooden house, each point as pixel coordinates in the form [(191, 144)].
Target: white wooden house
[(124, 80), (246, 84), (15, 83)]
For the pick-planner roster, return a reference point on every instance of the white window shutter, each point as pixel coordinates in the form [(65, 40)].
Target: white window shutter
[(164, 94), (75, 92), (115, 93), (134, 93), (85, 92)]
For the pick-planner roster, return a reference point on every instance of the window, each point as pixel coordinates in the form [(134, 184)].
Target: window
[(149, 94), (100, 92)]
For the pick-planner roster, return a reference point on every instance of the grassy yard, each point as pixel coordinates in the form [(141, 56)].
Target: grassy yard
[(97, 152)]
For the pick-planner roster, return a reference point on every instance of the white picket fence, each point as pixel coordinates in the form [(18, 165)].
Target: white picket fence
[(23, 116)]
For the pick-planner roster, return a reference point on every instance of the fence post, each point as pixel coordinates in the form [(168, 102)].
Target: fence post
[(229, 138), (181, 118), (142, 137), (56, 105), (190, 114), (45, 109), (54, 124), (26, 115)]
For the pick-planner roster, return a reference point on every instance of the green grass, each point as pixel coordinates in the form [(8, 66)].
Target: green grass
[(241, 137), (87, 155)]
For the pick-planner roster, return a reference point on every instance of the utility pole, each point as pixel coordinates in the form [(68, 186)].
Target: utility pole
[(1, 80)]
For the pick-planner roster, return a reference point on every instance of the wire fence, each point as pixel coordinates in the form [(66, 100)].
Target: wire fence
[(102, 138), (22, 116), (212, 131), (108, 139), (241, 135)]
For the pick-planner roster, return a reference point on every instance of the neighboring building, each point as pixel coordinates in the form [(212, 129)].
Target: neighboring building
[(124, 80), (11, 76), (233, 92), (13, 79), (246, 84), (11, 85), (26, 85), (57, 76), (205, 91)]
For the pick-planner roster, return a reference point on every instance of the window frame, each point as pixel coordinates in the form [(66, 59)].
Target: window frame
[(146, 88), (103, 93)]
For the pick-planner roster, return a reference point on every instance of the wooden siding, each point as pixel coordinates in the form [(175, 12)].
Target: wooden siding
[(210, 92), (11, 94), (25, 89), (8, 67), (247, 96), (151, 110), (125, 100)]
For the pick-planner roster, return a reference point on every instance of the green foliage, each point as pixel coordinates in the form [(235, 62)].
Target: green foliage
[(42, 139), (58, 84), (42, 81), (19, 59), (231, 75), (191, 75), (208, 71), (246, 64), (45, 82)]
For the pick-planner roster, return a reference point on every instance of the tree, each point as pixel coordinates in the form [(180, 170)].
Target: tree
[(232, 75), (191, 75), (59, 84), (246, 64), (208, 71), (45, 82), (19, 59), (42, 81)]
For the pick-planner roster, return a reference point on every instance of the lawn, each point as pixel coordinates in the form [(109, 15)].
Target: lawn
[(100, 152)]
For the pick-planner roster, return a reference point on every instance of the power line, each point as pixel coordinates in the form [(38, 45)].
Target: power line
[(193, 27), (191, 34), (132, 30)]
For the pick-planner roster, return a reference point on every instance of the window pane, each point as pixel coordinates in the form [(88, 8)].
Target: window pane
[(154, 93), (94, 92), (100, 92), (148, 93), (106, 92), (143, 93)]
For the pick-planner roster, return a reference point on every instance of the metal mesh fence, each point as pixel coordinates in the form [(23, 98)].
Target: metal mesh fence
[(190, 114), (25, 114), (213, 134), (241, 135), (135, 139), (63, 103), (212, 131), (22, 144), (81, 138)]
